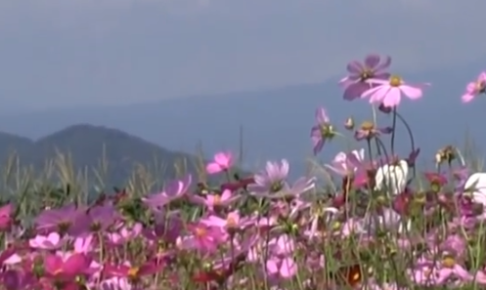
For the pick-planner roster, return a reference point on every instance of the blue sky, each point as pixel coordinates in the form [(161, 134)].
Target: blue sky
[(57, 53)]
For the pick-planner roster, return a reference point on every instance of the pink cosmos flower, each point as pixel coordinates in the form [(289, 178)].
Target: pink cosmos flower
[(345, 164), (475, 88), (203, 237), (321, 131), (232, 222), (172, 191), (222, 162), (212, 201), (49, 242), (389, 92)]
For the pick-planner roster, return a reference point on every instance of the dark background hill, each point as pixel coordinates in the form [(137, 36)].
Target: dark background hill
[(88, 145)]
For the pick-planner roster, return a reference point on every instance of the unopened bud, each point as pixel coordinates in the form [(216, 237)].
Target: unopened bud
[(438, 158), (349, 124)]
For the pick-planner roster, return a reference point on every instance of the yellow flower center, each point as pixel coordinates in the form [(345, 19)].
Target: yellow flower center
[(336, 225), (367, 126), (133, 271), (395, 81), (327, 130), (448, 262)]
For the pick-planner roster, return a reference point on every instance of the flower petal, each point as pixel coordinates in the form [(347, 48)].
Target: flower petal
[(372, 61), (411, 92)]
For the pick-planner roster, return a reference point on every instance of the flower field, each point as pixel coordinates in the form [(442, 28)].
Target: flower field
[(379, 227)]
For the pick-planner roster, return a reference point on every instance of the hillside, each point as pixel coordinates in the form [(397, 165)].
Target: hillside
[(88, 145)]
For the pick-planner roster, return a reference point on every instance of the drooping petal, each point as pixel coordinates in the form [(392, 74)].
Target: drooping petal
[(471, 88), (466, 98), (411, 92), (318, 145)]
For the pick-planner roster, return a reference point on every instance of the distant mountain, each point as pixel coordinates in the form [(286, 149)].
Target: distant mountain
[(276, 123), (87, 145)]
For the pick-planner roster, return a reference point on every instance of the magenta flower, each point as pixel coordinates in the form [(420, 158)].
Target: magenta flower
[(174, 190), (359, 73), (62, 219), (5, 217), (167, 228), (222, 162), (475, 88), (389, 92), (101, 217), (66, 268), (322, 131)]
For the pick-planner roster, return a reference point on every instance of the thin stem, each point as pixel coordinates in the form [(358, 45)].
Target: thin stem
[(379, 144), (394, 126), (410, 135)]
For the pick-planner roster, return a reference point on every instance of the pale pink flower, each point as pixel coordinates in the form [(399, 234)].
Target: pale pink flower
[(124, 234), (345, 164), (283, 268), (222, 162), (212, 201), (475, 88), (282, 245), (233, 221), (83, 244), (389, 92), (49, 242)]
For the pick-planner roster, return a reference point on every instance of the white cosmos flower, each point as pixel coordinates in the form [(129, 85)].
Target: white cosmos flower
[(393, 178), (476, 187)]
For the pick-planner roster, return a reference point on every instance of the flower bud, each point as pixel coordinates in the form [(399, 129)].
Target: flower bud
[(349, 124)]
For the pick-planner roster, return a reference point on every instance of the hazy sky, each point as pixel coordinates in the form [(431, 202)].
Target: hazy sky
[(72, 52)]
